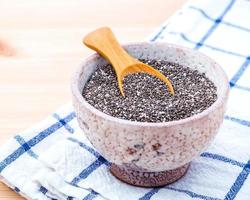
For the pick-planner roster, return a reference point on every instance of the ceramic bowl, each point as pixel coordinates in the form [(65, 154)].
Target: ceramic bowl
[(151, 154)]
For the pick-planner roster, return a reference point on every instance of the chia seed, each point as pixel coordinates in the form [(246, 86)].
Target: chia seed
[(147, 98)]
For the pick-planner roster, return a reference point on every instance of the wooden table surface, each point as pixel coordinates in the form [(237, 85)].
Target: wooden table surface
[(40, 47)]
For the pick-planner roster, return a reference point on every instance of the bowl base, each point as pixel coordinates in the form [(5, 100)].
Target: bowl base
[(147, 179)]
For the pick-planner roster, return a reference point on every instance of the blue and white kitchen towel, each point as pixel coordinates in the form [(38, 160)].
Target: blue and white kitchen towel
[(53, 160)]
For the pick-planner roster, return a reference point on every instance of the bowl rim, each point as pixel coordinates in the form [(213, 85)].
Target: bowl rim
[(219, 101)]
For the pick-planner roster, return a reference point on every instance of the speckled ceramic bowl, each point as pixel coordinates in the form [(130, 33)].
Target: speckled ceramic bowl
[(151, 154)]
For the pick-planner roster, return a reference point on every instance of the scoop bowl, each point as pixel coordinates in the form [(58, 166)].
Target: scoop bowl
[(151, 154)]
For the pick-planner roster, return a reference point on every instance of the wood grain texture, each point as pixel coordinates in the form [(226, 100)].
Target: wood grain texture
[(40, 47)]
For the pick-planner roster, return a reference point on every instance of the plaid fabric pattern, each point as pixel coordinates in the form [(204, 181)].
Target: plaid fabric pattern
[(54, 160)]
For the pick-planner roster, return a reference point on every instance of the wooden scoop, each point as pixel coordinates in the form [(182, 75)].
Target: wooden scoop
[(104, 42)]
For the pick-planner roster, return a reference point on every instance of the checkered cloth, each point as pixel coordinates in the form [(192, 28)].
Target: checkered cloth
[(54, 160)]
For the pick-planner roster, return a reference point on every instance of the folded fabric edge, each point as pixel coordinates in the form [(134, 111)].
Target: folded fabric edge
[(12, 187), (40, 123), (153, 37)]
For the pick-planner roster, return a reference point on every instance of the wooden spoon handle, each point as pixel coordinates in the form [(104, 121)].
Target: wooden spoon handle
[(104, 42)]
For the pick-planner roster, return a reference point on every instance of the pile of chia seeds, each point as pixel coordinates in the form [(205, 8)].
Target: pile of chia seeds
[(147, 98)]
